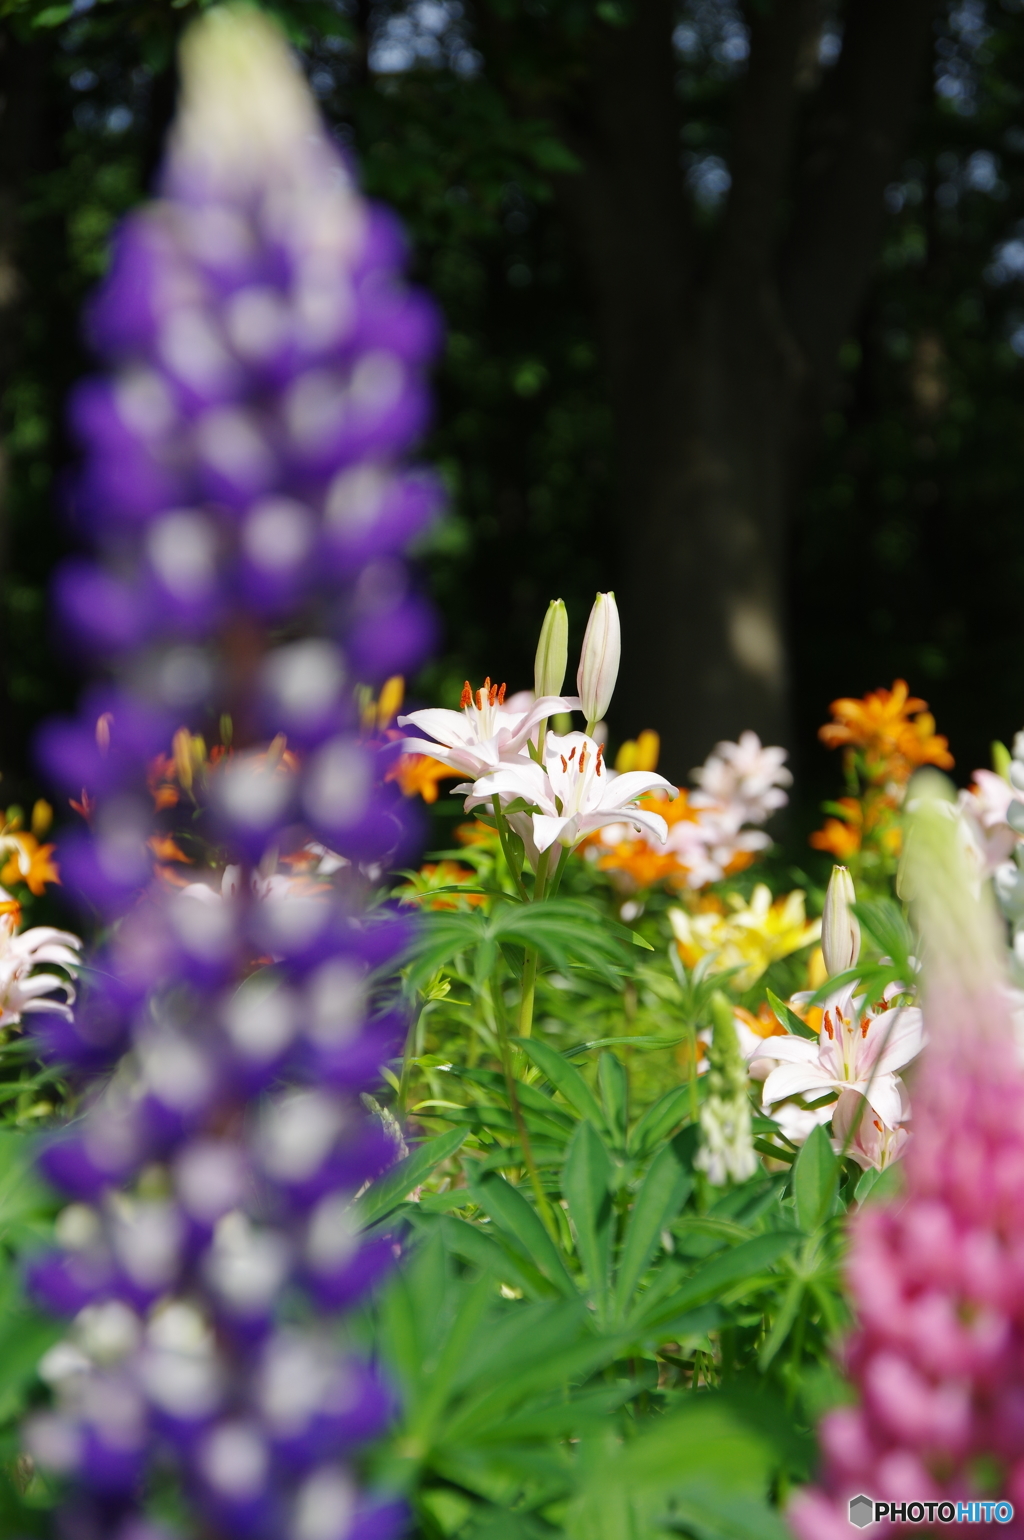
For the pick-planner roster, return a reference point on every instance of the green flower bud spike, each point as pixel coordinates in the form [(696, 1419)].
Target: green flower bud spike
[(727, 1144), (552, 651)]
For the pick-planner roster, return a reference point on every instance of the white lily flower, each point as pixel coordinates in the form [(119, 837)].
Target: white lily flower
[(856, 1051), (22, 989), (574, 793), (486, 733)]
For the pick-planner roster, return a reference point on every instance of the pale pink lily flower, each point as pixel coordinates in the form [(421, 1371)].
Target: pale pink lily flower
[(984, 807), (745, 777), (489, 731), (859, 1132), (23, 989), (574, 793), (856, 1050)]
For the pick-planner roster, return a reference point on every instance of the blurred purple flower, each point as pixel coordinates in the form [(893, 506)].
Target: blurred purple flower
[(244, 493)]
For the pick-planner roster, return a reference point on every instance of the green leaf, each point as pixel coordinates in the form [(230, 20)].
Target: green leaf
[(885, 923), (446, 1357), (388, 1191), (586, 1183), (662, 1194), (815, 1180), (52, 16), (495, 1255), (564, 1078), (788, 1018), (614, 1085), (782, 1324), (721, 1275), (660, 1119), (509, 1209), (699, 1465)]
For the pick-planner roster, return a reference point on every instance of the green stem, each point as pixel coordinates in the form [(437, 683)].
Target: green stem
[(556, 881), (407, 1055), (517, 877), (531, 957), (694, 1101), (590, 727), (540, 1196)]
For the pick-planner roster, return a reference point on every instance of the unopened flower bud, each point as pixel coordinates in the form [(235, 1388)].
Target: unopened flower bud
[(840, 933), (552, 651), (599, 660)]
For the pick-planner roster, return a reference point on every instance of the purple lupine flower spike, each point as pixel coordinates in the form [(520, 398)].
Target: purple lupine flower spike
[(246, 502)]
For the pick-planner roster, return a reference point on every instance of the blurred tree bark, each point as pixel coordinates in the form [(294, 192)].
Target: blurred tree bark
[(721, 358), (27, 147)]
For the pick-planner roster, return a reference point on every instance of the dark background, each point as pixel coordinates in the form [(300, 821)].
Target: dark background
[(576, 180)]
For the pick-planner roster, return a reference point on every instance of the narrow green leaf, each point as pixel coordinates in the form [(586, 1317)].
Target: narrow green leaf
[(886, 924), (664, 1190), (659, 1119), (389, 1190), (564, 1077), (495, 1255), (586, 1183), (614, 1085), (446, 1357), (719, 1276), (782, 1324), (527, 1333), (815, 1180), (509, 1209), (788, 1018)]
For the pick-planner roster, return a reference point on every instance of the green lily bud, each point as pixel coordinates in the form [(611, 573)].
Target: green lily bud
[(599, 660), (552, 651), (840, 933)]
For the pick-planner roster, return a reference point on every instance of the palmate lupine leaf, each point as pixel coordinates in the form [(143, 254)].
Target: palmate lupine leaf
[(660, 1119), (699, 1469), (586, 1183), (614, 1085), (563, 931), (512, 1213), (382, 1197), (742, 1264), (565, 1078), (662, 1194)]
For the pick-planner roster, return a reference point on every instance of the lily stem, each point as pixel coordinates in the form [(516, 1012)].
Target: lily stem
[(540, 1196), (531, 957), (517, 876), (556, 881)]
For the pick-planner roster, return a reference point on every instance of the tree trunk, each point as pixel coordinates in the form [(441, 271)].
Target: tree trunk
[(720, 356), (26, 146)]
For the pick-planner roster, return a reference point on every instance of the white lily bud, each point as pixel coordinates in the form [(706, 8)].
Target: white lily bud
[(840, 933), (599, 660), (552, 651)]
